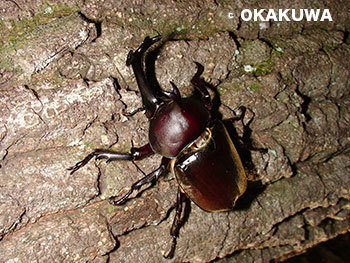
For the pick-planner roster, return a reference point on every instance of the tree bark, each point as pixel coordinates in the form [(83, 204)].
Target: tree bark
[(64, 88)]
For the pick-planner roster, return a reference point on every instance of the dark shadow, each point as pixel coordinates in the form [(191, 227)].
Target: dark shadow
[(346, 38), (254, 189), (304, 105), (244, 146), (97, 23), (186, 213), (216, 102)]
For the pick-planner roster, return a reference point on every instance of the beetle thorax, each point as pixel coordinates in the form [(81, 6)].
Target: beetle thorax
[(176, 125)]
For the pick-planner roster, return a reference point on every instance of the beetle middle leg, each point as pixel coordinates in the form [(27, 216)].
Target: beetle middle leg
[(135, 154), (151, 177)]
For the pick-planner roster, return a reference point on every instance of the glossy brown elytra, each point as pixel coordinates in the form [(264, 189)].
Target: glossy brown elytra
[(194, 146)]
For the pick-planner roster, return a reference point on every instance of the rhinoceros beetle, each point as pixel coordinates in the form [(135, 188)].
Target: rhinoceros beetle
[(194, 146)]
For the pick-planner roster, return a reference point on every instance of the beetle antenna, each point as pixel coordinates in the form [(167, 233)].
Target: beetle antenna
[(138, 168)]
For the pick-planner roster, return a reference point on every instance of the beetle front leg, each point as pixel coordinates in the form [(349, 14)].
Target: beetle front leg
[(135, 154), (177, 223), (153, 176)]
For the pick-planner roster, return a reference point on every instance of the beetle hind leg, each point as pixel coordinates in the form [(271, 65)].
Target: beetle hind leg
[(177, 223)]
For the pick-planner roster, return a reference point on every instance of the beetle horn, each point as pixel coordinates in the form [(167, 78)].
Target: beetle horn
[(174, 94), (149, 99), (198, 83), (175, 91)]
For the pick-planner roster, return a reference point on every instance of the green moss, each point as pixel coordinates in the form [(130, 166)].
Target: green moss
[(316, 4), (223, 88), (254, 87), (227, 87), (277, 52), (14, 30), (49, 76), (279, 43), (7, 65), (110, 209), (185, 29), (237, 87), (263, 68), (223, 2), (283, 96), (173, 27), (16, 33)]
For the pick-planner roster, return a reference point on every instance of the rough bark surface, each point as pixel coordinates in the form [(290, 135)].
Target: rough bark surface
[(64, 86)]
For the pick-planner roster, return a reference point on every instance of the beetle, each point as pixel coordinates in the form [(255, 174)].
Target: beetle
[(195, 146)]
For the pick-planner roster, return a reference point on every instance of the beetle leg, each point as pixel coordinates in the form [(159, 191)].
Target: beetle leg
[(198, 83), (245, 147), (135, 154), (243, 141), (177, 223), (132, 113), (153, 176), (149, 99)]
